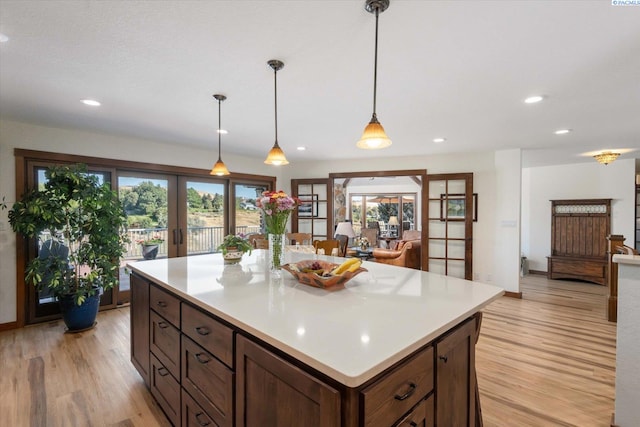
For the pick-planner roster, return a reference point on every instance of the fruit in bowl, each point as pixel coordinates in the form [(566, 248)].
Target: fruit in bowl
[(324, 274)]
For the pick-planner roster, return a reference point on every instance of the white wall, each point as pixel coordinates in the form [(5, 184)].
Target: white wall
[(592, 180), (483, 166), (32, 137)]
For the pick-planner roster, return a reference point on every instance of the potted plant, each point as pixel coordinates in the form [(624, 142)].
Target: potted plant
[(150, 246), (233, 247), (80, 227)]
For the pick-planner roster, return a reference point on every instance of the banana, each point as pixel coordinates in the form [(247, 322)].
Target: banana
[(345, 266), (355, 266)]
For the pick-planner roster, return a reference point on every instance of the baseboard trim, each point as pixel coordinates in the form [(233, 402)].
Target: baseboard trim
[(8, 326), (517, 295), (542, 273)]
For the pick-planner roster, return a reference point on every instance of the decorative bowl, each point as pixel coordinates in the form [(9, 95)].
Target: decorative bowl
[(301, 270)]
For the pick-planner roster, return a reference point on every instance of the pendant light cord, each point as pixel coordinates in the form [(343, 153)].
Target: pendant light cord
[(375, 65), (219, 131), (275, 89)]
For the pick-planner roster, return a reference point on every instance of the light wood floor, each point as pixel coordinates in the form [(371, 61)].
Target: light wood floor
[(548, 359), (545, 360)]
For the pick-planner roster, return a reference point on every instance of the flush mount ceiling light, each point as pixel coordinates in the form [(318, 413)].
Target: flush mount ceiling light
[(374, 137), (219, 169), (276, 156), (606, 157), (91, 102), (533, 99)]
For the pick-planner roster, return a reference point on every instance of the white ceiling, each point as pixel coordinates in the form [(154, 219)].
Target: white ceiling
[(458, 69)]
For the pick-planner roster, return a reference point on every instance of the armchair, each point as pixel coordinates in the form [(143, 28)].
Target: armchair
[(406, 252)]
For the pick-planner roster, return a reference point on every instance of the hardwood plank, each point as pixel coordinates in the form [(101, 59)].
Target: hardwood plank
[(549, 358)]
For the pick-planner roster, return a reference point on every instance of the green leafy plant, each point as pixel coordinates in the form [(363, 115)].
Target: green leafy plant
[(235, 241), (84, 224)]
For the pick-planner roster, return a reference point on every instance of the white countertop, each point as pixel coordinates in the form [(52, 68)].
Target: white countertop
[(351, 334), (627, 259)]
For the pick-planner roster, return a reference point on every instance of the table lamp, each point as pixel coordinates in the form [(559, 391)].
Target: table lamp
[(393, 222), (345, 229)]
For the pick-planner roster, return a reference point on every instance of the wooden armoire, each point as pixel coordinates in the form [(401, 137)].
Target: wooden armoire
[(579, 230)]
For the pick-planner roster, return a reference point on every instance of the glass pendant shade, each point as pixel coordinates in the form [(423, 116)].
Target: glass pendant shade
[(374, 136), (276, 156), (219, 169)]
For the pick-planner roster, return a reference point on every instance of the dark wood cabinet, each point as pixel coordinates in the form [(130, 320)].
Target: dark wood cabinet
[(420, 416), (579, 230), (273, 392), (455, 377), (140, 326), (203, 371)]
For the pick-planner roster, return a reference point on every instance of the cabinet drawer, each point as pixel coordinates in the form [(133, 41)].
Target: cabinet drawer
[(208, 381), (212, 335), (420, 416), (386, 400), (166, 390), (193, 415), (165, 305), (164, 341)]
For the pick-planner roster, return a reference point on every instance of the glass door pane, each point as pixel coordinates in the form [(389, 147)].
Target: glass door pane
[(202, 226), (42, 304), (147, 203), (449, 239), (247, 215)]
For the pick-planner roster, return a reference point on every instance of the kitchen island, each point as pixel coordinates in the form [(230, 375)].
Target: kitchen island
[(231, 345)]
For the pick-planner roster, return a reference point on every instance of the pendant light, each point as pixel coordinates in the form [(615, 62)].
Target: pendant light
[(276, 155), (374, 137), (219, 169)]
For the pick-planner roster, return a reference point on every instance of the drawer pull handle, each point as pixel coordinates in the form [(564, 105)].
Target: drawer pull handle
[(443, 358), (163, 372), (412, 389), (413, 424), (200, 357), (162, 304), (202, 423), (202, 330), (163, 325)]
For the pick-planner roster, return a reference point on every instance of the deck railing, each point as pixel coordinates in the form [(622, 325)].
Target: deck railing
[(200, 240)]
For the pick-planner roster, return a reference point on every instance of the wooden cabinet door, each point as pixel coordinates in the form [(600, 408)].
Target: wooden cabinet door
[(140, 326), (273, 392), (455, 377)]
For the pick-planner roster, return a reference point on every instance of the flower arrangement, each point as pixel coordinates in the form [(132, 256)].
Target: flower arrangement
[(363, 242), (239, 242), (155, 240), (277, 206)]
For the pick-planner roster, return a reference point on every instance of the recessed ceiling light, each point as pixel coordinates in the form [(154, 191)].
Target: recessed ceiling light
[(301, 148), (562, 131), (91, 102), (4, 38), (222, 131), (533, 99), (439, 140)]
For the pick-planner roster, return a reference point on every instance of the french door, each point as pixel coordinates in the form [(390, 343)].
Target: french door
[(450, 220), (312, 216), (186, 208)]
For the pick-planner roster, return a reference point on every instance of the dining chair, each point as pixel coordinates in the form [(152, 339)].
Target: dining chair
[(299, 238), (343, 241), (261, 244), (326, 245), (255, 236)]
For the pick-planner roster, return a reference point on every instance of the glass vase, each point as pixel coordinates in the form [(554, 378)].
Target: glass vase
[(276, 252)]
